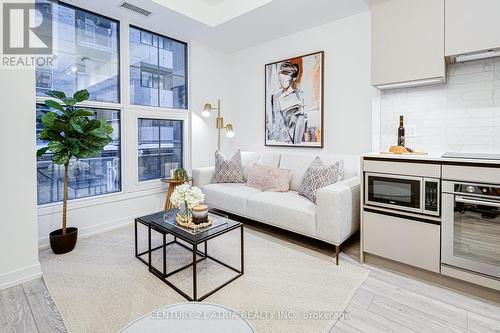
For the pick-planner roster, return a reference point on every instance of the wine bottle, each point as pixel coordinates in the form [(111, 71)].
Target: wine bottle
[(401, 133)]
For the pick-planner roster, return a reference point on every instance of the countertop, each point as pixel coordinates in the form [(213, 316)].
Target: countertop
[(432, 157)]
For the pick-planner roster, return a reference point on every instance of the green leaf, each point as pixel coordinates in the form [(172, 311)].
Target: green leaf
[(92, 125), (57, 147), (48, 119), (56, 94), (73, 146), (99, 133), (81, 95), (69, 101), (61, 157), (77, 127), (53, 104), (41, 151), (59, 125), (54, 136), (83, 113)]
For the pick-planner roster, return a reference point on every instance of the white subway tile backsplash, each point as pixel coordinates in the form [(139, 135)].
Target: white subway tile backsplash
[(461, 115)]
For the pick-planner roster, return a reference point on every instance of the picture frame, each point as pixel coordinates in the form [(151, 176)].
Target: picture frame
[(294, 102)]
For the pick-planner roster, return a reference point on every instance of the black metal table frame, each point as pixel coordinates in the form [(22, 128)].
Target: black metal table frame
[(204, 255)]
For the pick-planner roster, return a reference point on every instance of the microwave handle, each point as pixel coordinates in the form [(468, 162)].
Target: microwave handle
[(477, 202)]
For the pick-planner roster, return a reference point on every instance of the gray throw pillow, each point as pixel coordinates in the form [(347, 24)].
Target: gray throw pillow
[(317, 176), (228, 170)]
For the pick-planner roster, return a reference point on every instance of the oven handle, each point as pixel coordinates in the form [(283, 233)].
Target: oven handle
[(477, 202)]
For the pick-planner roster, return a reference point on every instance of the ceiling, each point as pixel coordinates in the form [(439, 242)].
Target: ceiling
[(212, 2), (230, 25)]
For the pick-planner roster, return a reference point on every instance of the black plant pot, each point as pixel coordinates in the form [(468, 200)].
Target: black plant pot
[(60, 243)]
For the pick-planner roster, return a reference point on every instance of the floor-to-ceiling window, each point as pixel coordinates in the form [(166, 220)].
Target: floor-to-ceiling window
[(87, 49)]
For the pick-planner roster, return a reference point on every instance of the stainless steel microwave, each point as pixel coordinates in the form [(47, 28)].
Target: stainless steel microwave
[(407, 193)]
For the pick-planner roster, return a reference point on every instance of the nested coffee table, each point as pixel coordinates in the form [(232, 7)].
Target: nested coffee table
[(164, 223)]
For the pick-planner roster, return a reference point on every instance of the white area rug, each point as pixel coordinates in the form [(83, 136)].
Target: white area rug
[(101, 286)]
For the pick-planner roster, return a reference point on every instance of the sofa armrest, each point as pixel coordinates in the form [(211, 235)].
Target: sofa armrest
[(202, 176), (337, 211)]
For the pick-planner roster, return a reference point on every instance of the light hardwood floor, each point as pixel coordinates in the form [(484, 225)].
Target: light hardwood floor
[(399, 298), (29, 308), (390, 300)]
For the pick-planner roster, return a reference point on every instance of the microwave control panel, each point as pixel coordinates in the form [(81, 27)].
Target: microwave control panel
[(431, 195)]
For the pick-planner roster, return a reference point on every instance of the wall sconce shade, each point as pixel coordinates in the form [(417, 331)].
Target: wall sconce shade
[(206, 110), (229, 130)]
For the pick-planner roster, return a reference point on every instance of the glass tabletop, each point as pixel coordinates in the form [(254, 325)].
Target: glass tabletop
[(165, 221)]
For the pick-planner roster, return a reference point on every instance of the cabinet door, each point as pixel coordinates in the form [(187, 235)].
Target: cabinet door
[(407, 40), (471, 25), (411, 242)]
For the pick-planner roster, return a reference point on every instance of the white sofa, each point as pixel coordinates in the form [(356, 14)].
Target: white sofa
[(333, 218)]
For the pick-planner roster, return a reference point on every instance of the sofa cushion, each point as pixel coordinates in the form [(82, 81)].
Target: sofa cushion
[(248, 159), (228, 170), (270, 159), (287, 210), (298, 164), (231, 197)]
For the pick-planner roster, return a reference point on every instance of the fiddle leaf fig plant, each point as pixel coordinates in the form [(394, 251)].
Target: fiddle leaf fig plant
[(72, 133)]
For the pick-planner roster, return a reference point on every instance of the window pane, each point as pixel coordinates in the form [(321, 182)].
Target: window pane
[(87, 177), (165, 60), (160, 148), (86, 50)]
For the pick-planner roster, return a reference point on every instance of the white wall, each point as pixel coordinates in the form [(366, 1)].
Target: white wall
[(347, 90), (18, 226), (209, 81), (461, 115)]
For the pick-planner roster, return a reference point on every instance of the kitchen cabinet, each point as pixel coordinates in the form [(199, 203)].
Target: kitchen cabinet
[(407, 42), (402, 239), (471, 26)]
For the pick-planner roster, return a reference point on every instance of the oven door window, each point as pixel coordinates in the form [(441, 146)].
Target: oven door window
[(394, 191), (476, 231)]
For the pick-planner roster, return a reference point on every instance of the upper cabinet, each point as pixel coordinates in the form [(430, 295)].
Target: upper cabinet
[(471, 26), (408, 42)]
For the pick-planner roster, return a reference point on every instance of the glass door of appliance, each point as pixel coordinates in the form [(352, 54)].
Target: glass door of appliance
[(398, 192), (471, 233)]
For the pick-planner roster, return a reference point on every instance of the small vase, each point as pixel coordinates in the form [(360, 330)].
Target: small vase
[(184, 211)]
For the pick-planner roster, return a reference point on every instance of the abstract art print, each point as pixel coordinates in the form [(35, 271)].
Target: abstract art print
[(294, 102)]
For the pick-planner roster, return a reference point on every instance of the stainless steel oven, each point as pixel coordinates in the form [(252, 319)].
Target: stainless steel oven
[(470, 230), (407, 193)]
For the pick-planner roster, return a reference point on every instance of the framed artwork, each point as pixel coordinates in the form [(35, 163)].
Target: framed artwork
[(294, 101)]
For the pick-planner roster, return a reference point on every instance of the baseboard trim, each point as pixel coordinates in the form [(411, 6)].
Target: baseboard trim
[(44, 242), (19, 276)]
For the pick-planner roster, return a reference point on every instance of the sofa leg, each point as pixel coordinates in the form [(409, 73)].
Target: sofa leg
[(337, 251)]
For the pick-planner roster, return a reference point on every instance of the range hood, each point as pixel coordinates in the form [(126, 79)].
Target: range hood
[(474, 55)]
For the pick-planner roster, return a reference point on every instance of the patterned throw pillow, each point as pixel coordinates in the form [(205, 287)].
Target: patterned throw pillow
[(257, 175), (317, 176), (228, 170), (268, 178), (277, 180)]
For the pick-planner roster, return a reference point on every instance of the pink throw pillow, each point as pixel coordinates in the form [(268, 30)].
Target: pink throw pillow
[(278, 180), (256, 176)]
